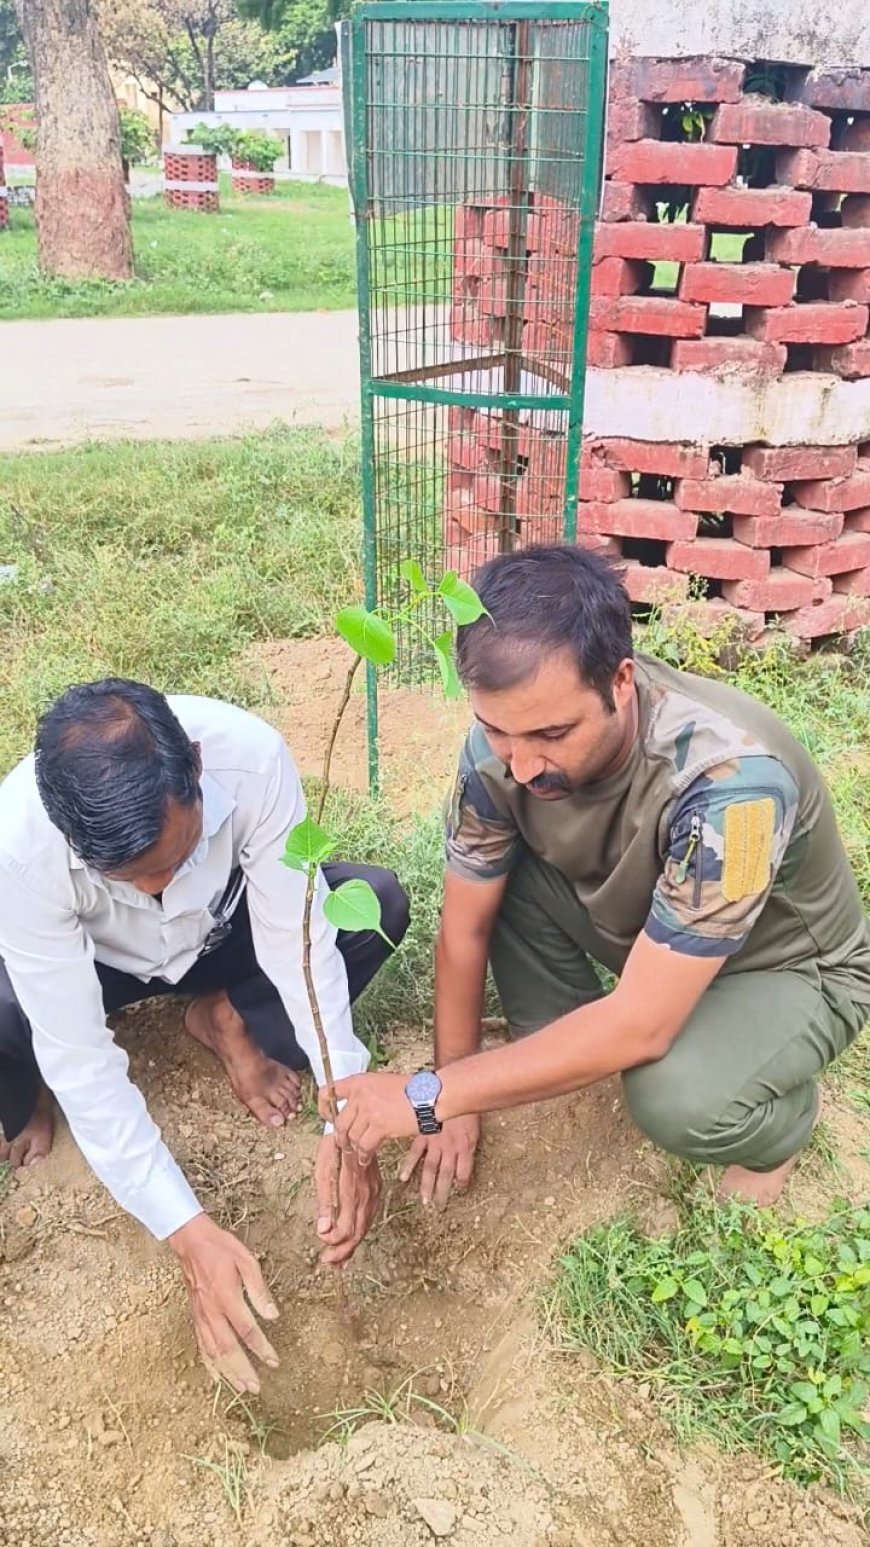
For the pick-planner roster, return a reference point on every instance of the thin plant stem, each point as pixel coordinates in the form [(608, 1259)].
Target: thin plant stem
[(335, 1179), (336, 727)]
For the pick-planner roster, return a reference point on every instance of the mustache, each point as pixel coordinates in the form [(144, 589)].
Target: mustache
[(547, 783)]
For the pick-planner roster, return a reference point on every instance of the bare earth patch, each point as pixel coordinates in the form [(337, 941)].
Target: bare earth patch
[(107, 1417), (420, 736)]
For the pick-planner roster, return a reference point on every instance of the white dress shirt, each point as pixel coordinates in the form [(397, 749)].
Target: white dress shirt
[(57, 917)]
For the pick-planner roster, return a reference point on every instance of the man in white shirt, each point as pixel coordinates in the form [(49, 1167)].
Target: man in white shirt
[(140, 855)]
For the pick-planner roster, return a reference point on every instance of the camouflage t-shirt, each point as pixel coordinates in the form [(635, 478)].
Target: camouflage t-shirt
[(716, 837)]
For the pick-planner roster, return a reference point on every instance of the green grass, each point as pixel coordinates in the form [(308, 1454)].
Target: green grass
[(290, 252), (165, 562), (751, 1331)]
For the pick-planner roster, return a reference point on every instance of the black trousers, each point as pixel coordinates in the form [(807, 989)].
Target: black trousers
[(231, 966)]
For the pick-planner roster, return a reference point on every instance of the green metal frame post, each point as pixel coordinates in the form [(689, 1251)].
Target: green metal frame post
[(475, 133), (360, 192), (589, 205)]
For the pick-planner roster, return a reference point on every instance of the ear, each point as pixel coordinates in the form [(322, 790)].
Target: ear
[(623, 683), (197, 757)]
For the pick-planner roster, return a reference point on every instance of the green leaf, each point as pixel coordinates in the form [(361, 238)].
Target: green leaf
[(460, 598), (665, 1289), (447, 665), (307, 846), (367, 634), (694, 1290), (410, 570), (354, 906), (792, 1414), (804, 1391)]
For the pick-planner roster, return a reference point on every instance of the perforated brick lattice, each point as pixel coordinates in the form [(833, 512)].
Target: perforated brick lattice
[(197, 170), (734, 239), (249, 179)]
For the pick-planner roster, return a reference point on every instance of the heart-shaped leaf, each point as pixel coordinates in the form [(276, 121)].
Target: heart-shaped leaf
[(355, 906), (460, 598), (367, 634), (447, 665), (410, 570), (307, 846)]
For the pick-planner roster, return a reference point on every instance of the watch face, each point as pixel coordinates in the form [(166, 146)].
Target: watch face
[(423, 1089)]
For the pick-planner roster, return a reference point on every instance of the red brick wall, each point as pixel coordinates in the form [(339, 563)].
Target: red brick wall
[(772, 533)]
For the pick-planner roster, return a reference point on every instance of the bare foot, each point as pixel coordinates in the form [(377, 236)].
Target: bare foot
[(266, 1088), (34, 1141), (760, 1187)]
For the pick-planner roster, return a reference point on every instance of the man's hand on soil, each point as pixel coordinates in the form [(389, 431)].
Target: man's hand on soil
[(446, 1159), (376, 1110), (219, 1273), (359, 1197)]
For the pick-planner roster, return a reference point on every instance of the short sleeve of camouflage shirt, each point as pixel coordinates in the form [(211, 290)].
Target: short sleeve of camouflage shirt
[(729, 833), (482, 841)]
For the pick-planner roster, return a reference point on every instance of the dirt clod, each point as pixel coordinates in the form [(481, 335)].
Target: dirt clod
[(439, 1516)]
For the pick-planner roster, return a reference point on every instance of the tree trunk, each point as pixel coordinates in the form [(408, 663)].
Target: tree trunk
[(82, 205), (209, 73)]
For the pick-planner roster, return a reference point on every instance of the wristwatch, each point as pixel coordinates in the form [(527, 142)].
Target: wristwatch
[(423, 1090)]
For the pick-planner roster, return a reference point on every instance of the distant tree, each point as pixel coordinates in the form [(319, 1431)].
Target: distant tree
[(16, 81), (182, 51), (82, 207), (307, 26)]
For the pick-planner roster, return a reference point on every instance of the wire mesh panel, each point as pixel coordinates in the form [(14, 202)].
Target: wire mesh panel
[(475, 139)]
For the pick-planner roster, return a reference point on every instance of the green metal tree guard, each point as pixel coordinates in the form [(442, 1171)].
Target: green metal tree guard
[(474, 134)]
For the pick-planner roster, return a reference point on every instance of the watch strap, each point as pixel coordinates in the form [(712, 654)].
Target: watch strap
[(427, 1122)]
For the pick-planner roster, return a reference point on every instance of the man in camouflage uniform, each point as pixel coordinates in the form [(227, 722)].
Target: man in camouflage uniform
[(615, 811)]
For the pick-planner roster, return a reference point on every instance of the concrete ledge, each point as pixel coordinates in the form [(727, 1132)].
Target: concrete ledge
[(822, 34), (802, 409)]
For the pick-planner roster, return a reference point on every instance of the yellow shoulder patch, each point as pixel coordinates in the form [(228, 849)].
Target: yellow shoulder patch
[(748, 848)]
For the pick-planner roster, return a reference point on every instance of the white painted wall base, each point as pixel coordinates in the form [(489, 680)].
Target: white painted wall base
[(801, 409), (818, 33)]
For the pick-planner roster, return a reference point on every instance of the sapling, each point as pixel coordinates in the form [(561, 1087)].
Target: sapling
[(354, 906)]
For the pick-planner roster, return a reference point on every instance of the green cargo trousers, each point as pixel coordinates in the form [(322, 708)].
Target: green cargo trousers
[(738, 1086)]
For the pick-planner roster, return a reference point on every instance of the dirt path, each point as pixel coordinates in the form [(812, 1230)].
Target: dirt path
[(174, 378)]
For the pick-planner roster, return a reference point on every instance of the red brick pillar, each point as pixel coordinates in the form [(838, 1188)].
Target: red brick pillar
[(4, 194), (190, 179), (247, 179), (768, 273)]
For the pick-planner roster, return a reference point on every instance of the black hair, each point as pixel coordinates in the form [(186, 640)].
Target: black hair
[(109, 756), (541, 600)]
